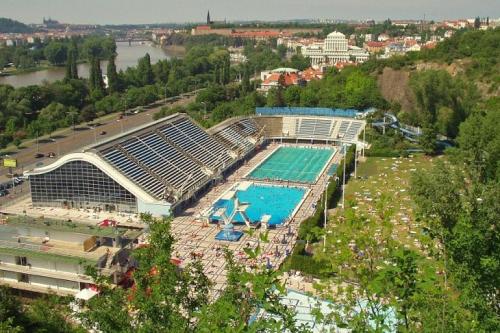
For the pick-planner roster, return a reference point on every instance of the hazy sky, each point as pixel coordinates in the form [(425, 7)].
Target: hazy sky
[(162, 11)]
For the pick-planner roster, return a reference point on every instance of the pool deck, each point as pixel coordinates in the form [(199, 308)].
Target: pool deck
[(196, 239)]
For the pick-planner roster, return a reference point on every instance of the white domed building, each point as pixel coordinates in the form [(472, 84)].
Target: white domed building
[(332, 50)]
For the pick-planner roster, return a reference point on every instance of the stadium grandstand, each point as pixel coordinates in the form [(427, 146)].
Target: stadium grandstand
[(161, 166), (152, 168)]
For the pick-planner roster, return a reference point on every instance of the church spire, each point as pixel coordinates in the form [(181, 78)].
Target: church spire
[(208, 18)]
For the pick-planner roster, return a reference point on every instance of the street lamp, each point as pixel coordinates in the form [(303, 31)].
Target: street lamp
[(343, 178), (325, 215), (165, 94), (204, 110)]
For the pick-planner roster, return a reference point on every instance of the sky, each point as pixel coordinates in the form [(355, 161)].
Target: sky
[(179, 11)]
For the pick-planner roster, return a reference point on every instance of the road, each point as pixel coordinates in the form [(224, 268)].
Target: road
[(68, 140)]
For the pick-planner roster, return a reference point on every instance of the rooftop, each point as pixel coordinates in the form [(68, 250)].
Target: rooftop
[(32, 241)]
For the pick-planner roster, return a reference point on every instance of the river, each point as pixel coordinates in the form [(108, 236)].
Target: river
[(127, 57)]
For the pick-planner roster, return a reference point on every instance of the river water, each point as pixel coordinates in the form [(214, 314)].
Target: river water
[(127, 57)]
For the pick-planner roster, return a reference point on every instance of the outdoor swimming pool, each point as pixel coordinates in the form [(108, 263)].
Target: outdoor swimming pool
[(277, 201), (298, 164)]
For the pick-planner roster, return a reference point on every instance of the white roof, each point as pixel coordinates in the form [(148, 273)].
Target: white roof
[(336, 34), (285, 70), (86, 294)]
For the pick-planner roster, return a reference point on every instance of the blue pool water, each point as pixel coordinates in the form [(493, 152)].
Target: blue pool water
[(298, 164), (277, 201)]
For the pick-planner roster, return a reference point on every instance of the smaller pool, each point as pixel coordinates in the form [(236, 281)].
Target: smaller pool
[(277, 201)]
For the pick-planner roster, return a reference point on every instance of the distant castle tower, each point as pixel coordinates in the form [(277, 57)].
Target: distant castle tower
[(208, 18)]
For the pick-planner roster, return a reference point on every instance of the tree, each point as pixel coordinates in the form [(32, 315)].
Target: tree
[(477, 23), (300, 62), (10, 308), (45, 314), (51, 117), (446, 122), (88, 113), (71, 63), (144, 71), (292, 96), (428, 139), (479, 142), (96, 82), (245, 80), (113, 78), (56, 52)]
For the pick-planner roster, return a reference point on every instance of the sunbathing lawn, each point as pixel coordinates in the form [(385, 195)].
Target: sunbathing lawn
[(390, 176)]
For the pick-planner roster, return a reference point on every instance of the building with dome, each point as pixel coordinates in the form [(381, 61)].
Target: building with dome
[(332, 50)]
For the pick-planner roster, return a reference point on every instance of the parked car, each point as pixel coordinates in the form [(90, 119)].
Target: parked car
[(103, 133), (51, 154), (3, 193), (39, 155)]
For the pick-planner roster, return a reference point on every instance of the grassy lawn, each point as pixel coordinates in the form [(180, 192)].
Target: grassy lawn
[(379, 176)]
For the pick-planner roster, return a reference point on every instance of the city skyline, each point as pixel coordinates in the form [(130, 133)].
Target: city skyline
[(158, 11)]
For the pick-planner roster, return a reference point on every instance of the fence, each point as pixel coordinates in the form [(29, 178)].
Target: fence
[(303, 111)]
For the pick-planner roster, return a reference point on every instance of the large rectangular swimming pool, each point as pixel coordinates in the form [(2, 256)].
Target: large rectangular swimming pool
[(297, 164), (279, 202)]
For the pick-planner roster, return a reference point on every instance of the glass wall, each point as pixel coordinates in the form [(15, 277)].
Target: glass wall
[(79, 184)]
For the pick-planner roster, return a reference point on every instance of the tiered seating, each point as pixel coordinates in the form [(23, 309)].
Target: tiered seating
[(134, 172), (196, 142), (352, 131), (306, 128), (239, 136), (164, 160), (323, 128), (332, 128), (175, 155), (343, 128), (248, 126), (235, 139), (314, 128)]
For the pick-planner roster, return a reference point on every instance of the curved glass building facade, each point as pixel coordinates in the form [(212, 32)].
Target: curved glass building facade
[(79, 184)]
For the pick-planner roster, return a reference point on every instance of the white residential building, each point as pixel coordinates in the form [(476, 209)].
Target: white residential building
[(45, 256)]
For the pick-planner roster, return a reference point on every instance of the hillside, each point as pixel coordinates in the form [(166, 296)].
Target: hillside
[(455, 75), (394, 87), (12, 26)]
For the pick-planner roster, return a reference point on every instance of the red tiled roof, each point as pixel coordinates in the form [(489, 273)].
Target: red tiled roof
[(258, 34), (375, 44), (289, 79), (203, 27), (410, 42), (340, 65), (312, 74), (430, 45)]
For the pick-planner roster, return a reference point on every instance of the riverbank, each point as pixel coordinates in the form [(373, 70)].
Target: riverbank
[(17, 71), (127, 56), (175, 50)]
